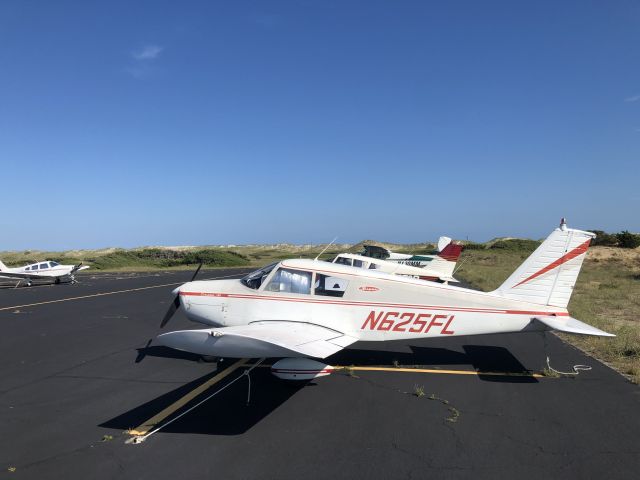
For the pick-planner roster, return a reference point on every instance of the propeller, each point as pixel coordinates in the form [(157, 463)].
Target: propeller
[(76, 268), (175, 305)]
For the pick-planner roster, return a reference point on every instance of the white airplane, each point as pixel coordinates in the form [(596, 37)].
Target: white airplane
[(300, 310), (46, 270), (438, 267), (447, 249)]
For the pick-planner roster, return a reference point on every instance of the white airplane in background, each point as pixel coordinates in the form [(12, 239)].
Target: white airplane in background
[(438, 267), (292, 309), (447, 249), (46, 270)]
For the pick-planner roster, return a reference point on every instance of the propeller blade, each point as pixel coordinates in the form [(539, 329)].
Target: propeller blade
[(196, 272), (142, 352), (75, 268), (175, 305)]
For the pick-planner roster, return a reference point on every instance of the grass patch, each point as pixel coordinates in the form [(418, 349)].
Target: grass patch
[(606, 295), (349, 371), (454, 415), (547, 372), (418, 390)]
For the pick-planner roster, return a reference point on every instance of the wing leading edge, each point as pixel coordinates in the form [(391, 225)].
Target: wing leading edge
[(260, 339)]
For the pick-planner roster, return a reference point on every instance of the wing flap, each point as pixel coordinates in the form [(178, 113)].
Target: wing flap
[(260, 339)]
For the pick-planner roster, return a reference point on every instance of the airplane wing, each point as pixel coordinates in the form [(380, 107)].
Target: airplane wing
[(260, 339), (26, 276), (570, 325)]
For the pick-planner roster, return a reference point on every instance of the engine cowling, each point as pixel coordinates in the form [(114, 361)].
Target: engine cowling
[(300, 369)]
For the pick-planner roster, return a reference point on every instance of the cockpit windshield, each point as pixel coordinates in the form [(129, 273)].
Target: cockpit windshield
[(255, 279)]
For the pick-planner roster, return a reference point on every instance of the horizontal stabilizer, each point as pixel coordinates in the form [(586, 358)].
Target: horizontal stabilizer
[(449, 279), (571, 325)]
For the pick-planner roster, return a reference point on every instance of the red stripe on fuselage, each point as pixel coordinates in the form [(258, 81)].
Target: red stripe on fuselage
[(371, 304), (580, 249)]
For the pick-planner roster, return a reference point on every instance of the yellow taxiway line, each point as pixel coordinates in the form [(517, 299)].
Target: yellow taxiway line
[(148, 425), (90, 296), (347, 368), (435, 370), (102, 294)]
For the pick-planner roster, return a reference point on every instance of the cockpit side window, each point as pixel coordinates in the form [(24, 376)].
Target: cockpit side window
[(34, 267), (330, 286), (343, 261), (255, 279), (44, 265), (53, 264), (291, 281), (358, 263)]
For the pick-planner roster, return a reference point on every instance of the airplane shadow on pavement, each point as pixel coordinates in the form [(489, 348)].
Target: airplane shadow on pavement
[(483, 358), (227, 413)]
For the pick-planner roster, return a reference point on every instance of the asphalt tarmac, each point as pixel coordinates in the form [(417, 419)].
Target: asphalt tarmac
[(76, 374)]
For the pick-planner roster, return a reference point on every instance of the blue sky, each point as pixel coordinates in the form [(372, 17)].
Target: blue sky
[(150, 123)]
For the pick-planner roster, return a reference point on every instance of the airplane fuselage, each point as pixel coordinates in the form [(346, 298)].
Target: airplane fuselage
[(374, 307)]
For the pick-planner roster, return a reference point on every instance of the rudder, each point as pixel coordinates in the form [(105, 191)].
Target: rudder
[(548, 276)]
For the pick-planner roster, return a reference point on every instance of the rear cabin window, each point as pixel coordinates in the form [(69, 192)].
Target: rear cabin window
[(290, 281), (373, 266), (359, 263), (330, 286), (28, 268)]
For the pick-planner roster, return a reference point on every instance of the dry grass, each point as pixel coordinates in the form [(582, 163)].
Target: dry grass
[(606, 295)]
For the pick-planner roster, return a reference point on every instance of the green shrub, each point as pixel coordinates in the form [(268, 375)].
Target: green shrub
[(474, 246), (163, 258), (627, 239), (604, 239), (516, 244)]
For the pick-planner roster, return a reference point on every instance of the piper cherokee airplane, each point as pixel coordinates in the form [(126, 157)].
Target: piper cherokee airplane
[(439, 268), (447, 250), (42, 271), (300, 310)]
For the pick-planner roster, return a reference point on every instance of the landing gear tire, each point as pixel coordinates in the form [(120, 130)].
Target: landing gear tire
[(56, 281), (209, 359)]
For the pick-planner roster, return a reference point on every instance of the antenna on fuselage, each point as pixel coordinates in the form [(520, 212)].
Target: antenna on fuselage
[(325, 248)]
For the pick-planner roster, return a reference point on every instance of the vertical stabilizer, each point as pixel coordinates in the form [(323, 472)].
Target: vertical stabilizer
[(3, 267), (444, 263), (548, 276), (443, 242), (451, 252)]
